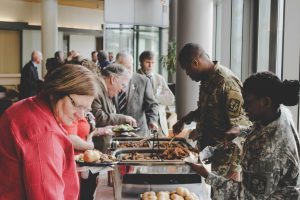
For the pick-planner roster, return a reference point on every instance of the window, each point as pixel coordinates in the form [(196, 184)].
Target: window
[(133, 39), (236, 37)]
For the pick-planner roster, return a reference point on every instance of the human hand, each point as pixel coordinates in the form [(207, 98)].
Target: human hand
[(199, 168), (178, 127), (131, 121), (153, 126), (107, 130), (193, 135)]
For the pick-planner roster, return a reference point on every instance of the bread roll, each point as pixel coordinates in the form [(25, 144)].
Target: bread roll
[(176, 197), (163, 196), (182, 191), (91, 156)]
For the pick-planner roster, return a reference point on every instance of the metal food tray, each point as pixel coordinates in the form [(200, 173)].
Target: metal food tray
[(164, 140), (146, 151), (95, 164)]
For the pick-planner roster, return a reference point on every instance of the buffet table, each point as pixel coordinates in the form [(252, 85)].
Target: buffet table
[(151, 165)]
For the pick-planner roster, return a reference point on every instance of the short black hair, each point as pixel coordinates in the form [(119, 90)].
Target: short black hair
[(188, 53), (146, 55), (93, 52), (2, 89), (102, 55), (56, 54), (267, 84)]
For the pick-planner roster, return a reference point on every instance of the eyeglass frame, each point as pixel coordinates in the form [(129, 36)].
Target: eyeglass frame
[(78, 107)]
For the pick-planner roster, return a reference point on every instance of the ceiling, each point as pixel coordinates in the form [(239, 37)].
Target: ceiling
[(92, 4)]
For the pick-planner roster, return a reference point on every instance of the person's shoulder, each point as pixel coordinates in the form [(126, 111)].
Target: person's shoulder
[(139, 77), (228, 77), (28, 65)]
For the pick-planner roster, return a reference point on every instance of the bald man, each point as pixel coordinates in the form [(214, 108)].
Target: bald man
[(30, 82)]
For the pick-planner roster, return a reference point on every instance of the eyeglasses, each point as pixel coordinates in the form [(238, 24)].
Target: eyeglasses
[(79, 108)]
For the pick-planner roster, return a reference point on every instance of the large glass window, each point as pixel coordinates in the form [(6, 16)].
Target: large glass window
[(133, 39), (279, 38), (236, 37), (263, 35)]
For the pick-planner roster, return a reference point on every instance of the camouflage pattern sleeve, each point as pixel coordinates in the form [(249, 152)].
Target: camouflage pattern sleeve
[(234, 106), (223, 188)]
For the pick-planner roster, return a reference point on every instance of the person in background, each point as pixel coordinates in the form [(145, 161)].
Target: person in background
[(81, 133), (162, 93), (91, 66), (59, 56), (112, 80), (4, 101), (270, 159), (73, 57), (30, 83), (36, 156), (220, 116), (94, 56), (137, 98), (102, 59), (111, 57)]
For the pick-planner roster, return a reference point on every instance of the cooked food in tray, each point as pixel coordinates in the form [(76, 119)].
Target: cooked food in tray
[(181, 193), (176, 152), (94, 156), (139, 156), (135, 144), (124, 128)]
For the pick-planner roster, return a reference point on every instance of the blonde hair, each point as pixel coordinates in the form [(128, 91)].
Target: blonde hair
[(70, 79)]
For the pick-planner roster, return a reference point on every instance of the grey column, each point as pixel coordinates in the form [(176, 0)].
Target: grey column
[(173, 20), (194, 24), (49, 30)]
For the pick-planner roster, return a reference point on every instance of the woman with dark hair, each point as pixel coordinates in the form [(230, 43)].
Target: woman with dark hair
[(36, 156), (270, 158)]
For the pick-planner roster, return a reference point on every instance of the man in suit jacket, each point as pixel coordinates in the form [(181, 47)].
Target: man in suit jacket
[(140, 102), (112, 80), (30, 82), (162, 93)]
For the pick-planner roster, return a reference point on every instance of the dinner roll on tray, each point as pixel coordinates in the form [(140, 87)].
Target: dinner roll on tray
[(181, 193)]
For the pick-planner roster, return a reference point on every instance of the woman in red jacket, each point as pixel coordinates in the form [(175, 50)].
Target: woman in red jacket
[(37, 159)]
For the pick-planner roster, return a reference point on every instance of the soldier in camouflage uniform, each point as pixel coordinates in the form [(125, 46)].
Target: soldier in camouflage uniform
[(270, 158), (219, 111)]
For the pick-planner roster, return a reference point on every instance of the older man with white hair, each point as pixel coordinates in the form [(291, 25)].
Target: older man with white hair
[(30, 82), (137, 99)]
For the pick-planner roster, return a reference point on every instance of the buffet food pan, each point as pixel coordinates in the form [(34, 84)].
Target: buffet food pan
[(160, 143)]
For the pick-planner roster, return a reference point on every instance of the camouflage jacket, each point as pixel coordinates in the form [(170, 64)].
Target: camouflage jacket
[(270, 164), (219, 107)]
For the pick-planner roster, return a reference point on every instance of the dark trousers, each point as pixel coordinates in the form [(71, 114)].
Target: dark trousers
[(88, 186)]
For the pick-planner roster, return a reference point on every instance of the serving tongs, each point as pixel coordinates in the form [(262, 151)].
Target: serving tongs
[(173, 137)]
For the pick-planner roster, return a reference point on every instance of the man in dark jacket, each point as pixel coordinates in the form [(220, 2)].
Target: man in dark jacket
[(30, 82)]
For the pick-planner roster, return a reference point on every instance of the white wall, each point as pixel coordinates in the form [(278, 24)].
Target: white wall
[(31, 41), (291, 49), (84, 44), (69, 17), (137, 12)]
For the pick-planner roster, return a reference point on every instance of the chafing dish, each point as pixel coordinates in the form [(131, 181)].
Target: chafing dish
[(132, 174), (149, 143)]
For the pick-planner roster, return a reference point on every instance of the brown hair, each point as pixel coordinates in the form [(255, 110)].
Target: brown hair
[(70, 79)]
